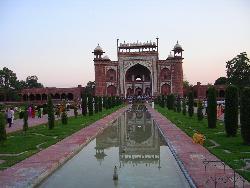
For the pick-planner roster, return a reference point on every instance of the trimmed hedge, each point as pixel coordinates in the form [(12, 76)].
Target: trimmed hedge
[(211, 107), (245, 115), (190, 104), (3, 135), (51, 116), (231, 110)]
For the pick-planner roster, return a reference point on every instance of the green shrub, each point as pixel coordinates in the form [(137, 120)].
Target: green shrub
[(162, 101), (231, 110), (211, 107), (170, 101), (51, 115), (100, 104), (25, 119), (184, 108), (178, 104), (199, 110), (75, 107), (84, 104), (64, 116), (96, 104), (21, 114), (190, 103), (3, 135), (105, 102), (244, 115), (90, 105)]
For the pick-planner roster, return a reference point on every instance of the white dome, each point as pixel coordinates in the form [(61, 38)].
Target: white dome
[(106, 57), (177, 45), (98, 48)]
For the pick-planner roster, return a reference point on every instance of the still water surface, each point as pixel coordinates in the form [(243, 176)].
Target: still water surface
[(133, 144)]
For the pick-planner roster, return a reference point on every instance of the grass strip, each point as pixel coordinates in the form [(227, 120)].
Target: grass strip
[(19, 145), (231, 150)]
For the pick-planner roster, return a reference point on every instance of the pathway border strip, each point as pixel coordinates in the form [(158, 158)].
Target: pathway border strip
[(33, 170)]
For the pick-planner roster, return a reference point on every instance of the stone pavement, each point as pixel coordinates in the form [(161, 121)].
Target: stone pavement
[(18, 123), (191, 157), (33, 170)]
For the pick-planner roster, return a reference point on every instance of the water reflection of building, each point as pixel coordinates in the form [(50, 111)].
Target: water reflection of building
[(135, 135)]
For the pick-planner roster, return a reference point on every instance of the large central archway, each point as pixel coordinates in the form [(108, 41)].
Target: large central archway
[(138, 81)]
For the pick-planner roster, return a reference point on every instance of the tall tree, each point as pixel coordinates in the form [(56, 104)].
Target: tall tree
[(244, 115), (190, 103), (51, 115), (238, 71), (8, 83), (199, 110), (90, 88), (3, 135), (231, 110), (84, 104), (184, 108), (32, 82), (221, 81), (90, 104), (211, 107)]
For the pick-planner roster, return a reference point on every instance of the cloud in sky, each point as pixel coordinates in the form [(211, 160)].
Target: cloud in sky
[(54, 39)]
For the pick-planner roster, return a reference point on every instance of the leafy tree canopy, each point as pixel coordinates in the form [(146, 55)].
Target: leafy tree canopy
[(221, 81), (238, 71), (31, 82), (90, 88)]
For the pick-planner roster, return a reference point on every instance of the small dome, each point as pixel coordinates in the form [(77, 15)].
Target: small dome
[(98, 48), (106, 57), (177, 46), (170, 56)]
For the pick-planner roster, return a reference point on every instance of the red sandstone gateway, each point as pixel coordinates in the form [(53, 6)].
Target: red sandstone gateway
[(138, 71)]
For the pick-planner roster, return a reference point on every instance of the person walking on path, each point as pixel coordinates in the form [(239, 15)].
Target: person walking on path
[(33, 112), (30, 111), (12, 115), (39, 113), (9, 116)]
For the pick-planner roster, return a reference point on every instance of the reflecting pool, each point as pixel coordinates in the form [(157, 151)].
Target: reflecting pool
[(132, 143)]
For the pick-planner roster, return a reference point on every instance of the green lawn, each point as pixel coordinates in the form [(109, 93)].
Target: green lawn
[(235, 145), (40, 137)]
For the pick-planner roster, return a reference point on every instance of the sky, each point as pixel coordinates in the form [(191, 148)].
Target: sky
[(54, 39)]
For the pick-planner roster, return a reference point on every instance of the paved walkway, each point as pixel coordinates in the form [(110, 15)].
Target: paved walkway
[(191, 156), (34, 169), (18, 123)]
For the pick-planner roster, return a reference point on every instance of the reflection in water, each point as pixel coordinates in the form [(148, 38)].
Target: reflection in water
[(134, 145), (135, 135)]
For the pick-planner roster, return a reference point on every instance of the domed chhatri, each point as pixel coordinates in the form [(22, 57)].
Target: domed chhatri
[(98, 49), (177, 46), (98, 52), (177, 50)]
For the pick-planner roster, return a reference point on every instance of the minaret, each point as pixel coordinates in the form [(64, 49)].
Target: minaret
[(99, 63)]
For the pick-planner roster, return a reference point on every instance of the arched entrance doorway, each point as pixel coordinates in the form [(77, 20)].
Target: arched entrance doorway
[(138, 81), (111, 90), (165, 89), (138, 91)]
